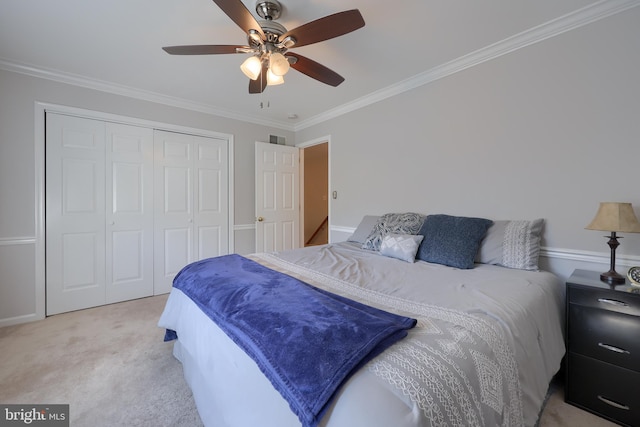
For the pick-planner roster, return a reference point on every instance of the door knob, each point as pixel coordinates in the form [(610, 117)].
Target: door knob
[(260, 219)]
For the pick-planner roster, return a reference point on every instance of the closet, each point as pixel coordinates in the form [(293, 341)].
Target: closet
[(126, 207)]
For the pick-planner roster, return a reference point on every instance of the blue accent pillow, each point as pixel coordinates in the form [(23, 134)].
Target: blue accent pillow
[(452, 240)]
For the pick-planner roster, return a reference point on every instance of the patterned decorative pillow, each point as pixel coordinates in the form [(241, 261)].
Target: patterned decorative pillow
[(398, 223), (512, 244), (401, 246), (452, 240)]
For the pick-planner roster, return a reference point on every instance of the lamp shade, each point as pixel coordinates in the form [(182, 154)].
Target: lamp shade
[(614, 216), (278, 64), (252, 67), (274, 80)]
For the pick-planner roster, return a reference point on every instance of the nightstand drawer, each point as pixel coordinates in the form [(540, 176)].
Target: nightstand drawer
[(604, 389), (605, 335), (621, 302)]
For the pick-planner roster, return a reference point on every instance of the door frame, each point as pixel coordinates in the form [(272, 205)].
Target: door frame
[(306, 144), (39, 157)]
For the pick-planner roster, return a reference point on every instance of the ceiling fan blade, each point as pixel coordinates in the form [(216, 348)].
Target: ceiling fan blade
[(258, 85), (203, 49), (315, 70), (239, 14), (326, 28)]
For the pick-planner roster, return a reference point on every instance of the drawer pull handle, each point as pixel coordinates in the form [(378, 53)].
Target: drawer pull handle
[(613, 302), (612, 348), (614, 404)]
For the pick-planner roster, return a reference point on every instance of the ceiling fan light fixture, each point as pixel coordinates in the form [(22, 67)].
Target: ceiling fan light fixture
[(251, 67), (278, 64), (273, 79)]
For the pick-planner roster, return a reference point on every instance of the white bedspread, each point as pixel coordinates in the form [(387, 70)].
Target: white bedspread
[(487, 343)]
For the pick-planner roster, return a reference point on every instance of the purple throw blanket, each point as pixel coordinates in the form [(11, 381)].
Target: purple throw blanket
[(307, 341)]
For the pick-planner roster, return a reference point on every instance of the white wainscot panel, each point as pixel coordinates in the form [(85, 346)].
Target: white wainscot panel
[(17, 300)]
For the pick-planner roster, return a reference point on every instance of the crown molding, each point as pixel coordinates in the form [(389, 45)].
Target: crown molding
[(112, 88), (576, 19)]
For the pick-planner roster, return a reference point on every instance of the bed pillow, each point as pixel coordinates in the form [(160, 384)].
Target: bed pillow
[(452, 240), (398, 223), (512, 244), (364, 229), (401, 246)]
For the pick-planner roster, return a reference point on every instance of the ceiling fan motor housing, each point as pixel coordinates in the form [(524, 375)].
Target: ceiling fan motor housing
[(269, 10)]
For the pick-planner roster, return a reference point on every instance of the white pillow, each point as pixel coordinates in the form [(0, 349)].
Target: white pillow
[(512, 244), (401, 246)]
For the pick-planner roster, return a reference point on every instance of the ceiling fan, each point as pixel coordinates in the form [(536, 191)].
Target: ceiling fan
[(269, 42)]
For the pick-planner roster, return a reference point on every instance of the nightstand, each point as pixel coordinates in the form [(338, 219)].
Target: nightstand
[(603, 348)]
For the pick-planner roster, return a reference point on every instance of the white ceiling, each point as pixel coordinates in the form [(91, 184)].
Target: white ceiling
[(115, 45)]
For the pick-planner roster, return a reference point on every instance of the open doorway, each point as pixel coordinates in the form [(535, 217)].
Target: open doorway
[(315, 221)]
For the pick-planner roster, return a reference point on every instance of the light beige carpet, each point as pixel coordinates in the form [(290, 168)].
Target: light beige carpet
[(113, 369)]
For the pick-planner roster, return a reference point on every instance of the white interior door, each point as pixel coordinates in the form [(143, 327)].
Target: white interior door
[(277, 197), (129, 212), (191, 203), (75, 213)]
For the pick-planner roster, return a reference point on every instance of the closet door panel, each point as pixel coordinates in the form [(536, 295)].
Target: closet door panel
[(129, 252), (126, 208), (212, 202), (173, 236), (75, 213), (191, 197)]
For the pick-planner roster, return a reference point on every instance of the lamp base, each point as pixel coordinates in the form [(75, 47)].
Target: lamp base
[(612, 277)]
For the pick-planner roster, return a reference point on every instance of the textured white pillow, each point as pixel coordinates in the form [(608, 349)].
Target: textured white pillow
[(401, 246), (513, 244)]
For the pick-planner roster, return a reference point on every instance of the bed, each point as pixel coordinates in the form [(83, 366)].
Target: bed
[(487, 341)]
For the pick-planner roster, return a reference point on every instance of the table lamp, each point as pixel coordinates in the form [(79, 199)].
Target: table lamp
[(616, 218)]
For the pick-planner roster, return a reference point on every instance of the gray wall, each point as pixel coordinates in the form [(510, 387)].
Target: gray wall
[(547, 131)]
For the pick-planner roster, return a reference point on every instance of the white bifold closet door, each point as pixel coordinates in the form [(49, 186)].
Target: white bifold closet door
[(126, 208), (191, 202), (99, 212)]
